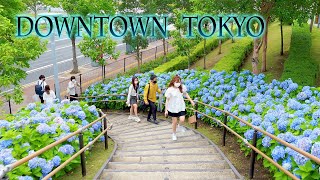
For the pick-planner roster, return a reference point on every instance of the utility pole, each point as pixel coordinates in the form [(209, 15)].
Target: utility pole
[(55, 65)]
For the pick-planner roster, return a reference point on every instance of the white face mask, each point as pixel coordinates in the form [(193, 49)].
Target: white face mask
[(177, 84), (73, 80)]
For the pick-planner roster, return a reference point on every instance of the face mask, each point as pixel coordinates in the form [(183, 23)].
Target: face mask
[(44, 79), (155, 82), (136, 82), (73, 80), (177, 84)]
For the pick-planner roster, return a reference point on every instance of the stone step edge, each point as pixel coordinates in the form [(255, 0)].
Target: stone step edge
[(173, 148), (164, 163)]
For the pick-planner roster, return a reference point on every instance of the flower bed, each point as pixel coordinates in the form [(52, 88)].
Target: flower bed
[(285, 109), (37, 126)]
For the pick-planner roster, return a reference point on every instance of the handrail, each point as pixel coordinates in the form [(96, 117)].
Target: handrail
[(308, 155), (248, 144), (76, 154), (10, 167)]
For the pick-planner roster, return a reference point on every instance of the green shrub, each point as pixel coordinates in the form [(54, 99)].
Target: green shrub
[(238, 53), (299, 66), (181, 62)]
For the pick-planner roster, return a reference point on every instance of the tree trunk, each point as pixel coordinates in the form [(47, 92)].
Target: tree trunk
[(281, 32), (318, 21), (265, 46), (204, 53), (74, 60), (232, 39), (164, 50), (311, 23), (220, 44), (255, 56)]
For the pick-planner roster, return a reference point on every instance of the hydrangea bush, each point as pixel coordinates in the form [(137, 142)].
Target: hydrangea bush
[(37, 126), (285, 109)]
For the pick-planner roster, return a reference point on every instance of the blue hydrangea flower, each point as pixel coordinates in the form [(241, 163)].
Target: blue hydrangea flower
[(315, 150), (249, 134), (56, 161), (47, 168), (66, 149), (31, 106), (266, 141), (5, 143), (81, 115), (37, 162), (300, 159), (286, 164), (25, 178), (278, 153)]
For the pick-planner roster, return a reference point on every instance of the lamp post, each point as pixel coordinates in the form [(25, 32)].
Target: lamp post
[(55, 66)]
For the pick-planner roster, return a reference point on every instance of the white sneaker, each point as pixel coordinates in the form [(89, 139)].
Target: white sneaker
[(130, 117), (174, 137), (137, 119), (180, 129)]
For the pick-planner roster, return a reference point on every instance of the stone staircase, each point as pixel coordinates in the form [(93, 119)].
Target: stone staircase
[(145, 151)]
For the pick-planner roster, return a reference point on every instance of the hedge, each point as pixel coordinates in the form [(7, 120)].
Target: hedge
[(181, 62), (233, 61), (299, 66)]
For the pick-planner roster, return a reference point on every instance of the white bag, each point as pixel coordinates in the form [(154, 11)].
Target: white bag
[(36, 98)]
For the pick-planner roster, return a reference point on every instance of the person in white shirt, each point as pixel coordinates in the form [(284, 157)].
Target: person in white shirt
[(49, 96), (175, 105), (71, 89), (133, 98), (42, 83)]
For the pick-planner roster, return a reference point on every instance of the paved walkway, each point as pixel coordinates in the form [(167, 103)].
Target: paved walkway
[(146, 151)]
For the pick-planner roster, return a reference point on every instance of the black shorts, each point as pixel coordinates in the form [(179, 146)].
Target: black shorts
[(181, 113)]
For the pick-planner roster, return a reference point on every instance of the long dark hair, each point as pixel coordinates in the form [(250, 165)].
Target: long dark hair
[(135, 87), (47, 89), (176, 78)]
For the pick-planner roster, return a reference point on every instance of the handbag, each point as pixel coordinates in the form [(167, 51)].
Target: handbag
[(192, 119), (142, 103)]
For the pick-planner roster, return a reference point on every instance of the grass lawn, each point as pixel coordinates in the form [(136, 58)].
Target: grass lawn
[(274, 60), (95, 160), (315, 48), (213, 57)]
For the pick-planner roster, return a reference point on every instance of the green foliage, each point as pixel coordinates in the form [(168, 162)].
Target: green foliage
[(233, 61), (299, 66), (95, 47), (15, 55), (181, 62)]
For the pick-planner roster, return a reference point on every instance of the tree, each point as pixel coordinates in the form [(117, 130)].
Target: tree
[(159, 7), (137, 42), (15, 54), (34, 5), (85, 8), (96, 47), (183, 44)]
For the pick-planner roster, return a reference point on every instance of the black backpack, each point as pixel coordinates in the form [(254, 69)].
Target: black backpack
[(38, 89)]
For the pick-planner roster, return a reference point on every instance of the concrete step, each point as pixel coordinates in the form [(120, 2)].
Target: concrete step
[(133, 126), (144, 129), (169, 158), (154, 137), (218, 164), (132, 130), (175, 144), (152, 133), (192, 174), (186, 150), (192, 137)]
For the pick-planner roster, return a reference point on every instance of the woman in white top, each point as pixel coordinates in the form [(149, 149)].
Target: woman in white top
[(175, 105), (71, 89), (48, 96), (133, 98)]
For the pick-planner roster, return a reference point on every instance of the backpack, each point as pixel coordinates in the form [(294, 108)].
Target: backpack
[(38, 89)]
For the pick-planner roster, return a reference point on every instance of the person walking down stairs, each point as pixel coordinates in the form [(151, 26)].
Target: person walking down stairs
[(133, 98), (150, 97), (175, 105)]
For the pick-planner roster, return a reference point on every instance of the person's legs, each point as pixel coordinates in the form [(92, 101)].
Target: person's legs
[(154, 112), (181, 121), (41, 99), (150, 111), (135, 109), (174, 127)]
